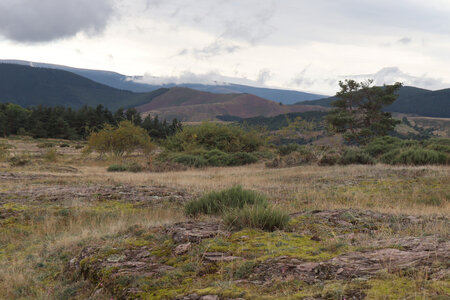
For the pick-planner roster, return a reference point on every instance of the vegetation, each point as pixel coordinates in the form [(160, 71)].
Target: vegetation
[(358, 110), (30, 86), (257, 216), (211, 136), (216, 203), (124, 139), (67, 123)]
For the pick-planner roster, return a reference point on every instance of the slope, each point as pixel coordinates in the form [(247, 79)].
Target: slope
[(411, 100), (191, 105), (28, 86)]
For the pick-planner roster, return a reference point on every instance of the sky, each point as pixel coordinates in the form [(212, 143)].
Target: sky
[(293, 44)]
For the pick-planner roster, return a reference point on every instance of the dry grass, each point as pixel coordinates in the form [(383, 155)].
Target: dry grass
[(38, 241)]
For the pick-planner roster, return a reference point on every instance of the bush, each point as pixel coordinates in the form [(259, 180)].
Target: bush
[(288, 149), (124, 139), (46, 145), (190, 160), (217, 158), (216, 203), (64, 145), (329, 159), (134, 167), (117, 168), (356, 156), (416, 156), (256, 216), (242, 158), (210, 136)]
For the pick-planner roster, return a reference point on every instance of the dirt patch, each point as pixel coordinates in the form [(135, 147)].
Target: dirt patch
[(138, 195)]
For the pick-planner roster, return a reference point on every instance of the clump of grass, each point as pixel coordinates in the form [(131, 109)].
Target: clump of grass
[(257, 216), (130, 167), (216, 203), (117, 168), (50, 155), (64, 145), (415, 156)]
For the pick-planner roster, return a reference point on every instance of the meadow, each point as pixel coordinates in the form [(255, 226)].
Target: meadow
[(72, 230)]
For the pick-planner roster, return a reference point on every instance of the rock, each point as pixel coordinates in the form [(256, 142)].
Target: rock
[(210, 297), (218, 256), (194, 232), (182, 249)]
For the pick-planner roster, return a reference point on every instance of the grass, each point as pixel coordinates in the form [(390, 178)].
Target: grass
[(257, 216), (39, 236), (216, 203)]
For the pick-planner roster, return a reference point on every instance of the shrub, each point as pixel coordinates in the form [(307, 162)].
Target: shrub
[(217, 158), (418, 156), (256, 216), (215, 203), (242, 158), (382, 145), (190, 160), (210, 136), (64, 145), (329, 159), (4, 152), (439, 148), (124, 139), (117, 168), (288, 149), (356, 156)]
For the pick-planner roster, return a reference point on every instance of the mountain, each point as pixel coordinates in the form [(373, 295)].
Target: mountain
[(123, 82), (28, 86), (411, 100), (192, 105)]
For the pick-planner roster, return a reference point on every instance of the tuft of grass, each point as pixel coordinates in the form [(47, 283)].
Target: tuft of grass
[(51, 155), (117, 168), (216, 203), (257, 216)]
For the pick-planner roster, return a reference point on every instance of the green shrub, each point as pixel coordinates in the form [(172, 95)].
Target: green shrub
[(329, 159), (288, 149), (190, 160), (210, 136), (256, 216), (242, 158), (439, 148), (217, 158), (215, 203), (356, 156), (117, 168), (418, 156), (382, 145)]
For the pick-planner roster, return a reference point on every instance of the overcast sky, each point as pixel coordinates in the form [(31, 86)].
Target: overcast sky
[(296, 44)]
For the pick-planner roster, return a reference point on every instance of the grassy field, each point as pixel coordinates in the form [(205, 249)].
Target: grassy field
[(67, 228)]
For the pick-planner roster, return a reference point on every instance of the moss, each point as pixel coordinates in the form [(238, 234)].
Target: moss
[(263, 245)]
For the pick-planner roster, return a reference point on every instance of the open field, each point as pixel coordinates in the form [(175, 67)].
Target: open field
[(71, 230)]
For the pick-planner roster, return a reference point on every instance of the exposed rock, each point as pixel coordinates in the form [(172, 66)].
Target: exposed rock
[(194, 232), (182, 249), (218, 256)]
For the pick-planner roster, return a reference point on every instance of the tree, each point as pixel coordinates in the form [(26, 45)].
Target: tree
[(121, 140), (358, 112)]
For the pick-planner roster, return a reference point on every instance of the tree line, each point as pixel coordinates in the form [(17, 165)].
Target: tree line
[(67, 123)]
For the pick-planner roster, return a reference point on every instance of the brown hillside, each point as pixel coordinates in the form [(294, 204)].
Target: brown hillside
[(191, 105)]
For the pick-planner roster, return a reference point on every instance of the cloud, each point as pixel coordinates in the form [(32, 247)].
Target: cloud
[(212, 78), (263, 76), (404, 41), (32, 21), (218, 47)]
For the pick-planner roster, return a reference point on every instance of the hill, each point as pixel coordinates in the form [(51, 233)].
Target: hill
[(30, 86), (123, 82), (411, 100), (192, 105)]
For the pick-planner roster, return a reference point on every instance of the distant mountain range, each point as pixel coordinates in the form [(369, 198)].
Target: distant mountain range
[(191, 105), (411, 100), (129, 83), (31, 86)]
